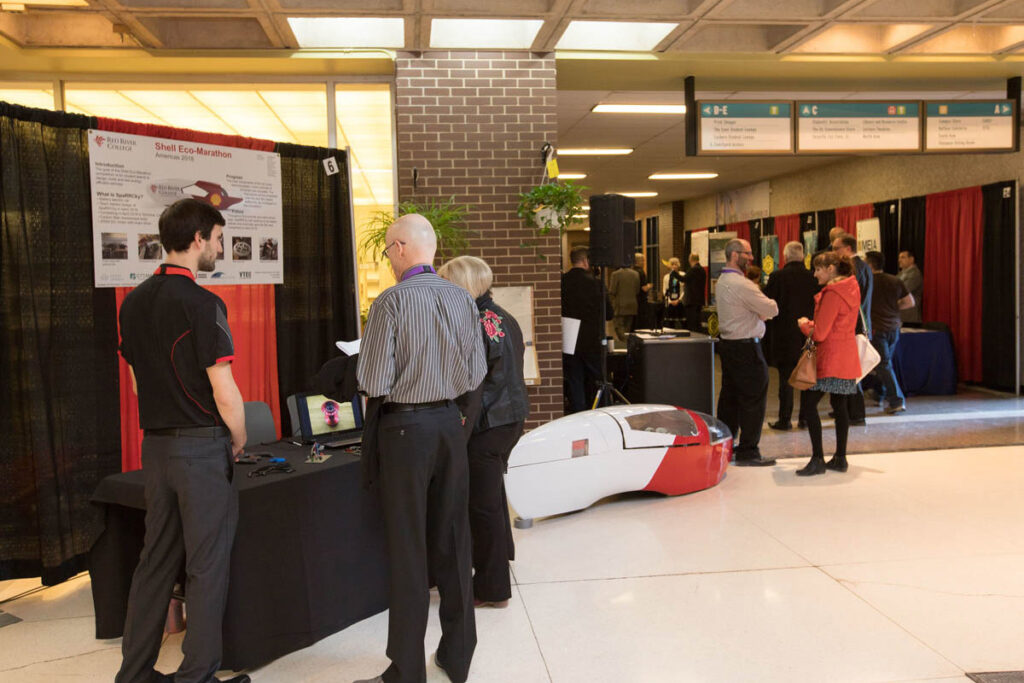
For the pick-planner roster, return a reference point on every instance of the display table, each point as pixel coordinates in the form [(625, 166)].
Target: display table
[(924, 362), (309, 557)]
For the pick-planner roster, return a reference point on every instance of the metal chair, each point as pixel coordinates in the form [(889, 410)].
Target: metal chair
[(259, 423)]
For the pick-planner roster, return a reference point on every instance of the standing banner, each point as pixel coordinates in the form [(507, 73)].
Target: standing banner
[(869, 237), (699, 246), (716, 258), (135, 177), (769, 256), (810, 238)]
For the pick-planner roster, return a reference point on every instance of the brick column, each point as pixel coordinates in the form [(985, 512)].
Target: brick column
[(472, 124)]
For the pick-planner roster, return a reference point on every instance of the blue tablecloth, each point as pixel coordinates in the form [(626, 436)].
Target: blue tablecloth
[(924, 362)]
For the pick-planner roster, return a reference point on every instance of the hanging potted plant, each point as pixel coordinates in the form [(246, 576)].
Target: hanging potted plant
[(447, 217), (551, 207)]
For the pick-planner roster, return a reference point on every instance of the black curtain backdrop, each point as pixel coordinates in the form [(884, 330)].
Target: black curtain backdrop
[(998, 253), (912, 224), (59, 412), (888, 215), (826, 221), (755, 239), (316, 306)]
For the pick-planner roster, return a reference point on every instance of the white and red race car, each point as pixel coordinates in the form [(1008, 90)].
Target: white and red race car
[(574, 461)]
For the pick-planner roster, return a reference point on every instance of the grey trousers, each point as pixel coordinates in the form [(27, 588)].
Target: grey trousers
[(191, 515)]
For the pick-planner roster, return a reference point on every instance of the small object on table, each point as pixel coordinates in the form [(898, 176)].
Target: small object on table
[(316, 453)]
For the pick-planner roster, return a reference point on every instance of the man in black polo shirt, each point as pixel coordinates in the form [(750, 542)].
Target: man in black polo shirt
[(175, 337)]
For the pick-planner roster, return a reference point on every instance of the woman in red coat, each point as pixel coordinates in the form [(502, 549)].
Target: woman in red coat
[(836, 308)]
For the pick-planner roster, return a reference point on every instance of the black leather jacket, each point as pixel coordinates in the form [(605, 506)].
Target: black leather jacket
[(504, 398)]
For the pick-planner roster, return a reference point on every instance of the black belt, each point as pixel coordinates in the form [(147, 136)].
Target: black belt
[(406, 407), (748, 340), (201, 432)]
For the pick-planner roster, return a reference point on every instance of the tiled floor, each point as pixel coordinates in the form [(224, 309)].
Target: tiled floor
[(906, 568)]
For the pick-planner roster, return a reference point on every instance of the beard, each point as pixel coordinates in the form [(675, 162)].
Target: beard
[(208, 261)]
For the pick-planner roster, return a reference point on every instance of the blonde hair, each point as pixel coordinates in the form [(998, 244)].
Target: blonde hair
[(469, 272), (673, 263)]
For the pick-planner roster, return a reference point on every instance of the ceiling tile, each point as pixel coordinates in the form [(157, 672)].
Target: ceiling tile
[(737, 37), (338, 7), (675, 9), (185, 4), (758, 10), (519, 8), (862, 38), (72, 28), (211, 32), (971, 39), (917, 9)]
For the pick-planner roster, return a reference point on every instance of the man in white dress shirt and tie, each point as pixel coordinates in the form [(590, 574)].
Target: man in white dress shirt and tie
[(742, 310)]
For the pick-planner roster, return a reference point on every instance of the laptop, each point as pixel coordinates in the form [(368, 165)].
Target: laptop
[(328, 422)]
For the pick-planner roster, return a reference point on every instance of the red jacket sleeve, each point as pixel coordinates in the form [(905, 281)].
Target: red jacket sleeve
[(825, 315)]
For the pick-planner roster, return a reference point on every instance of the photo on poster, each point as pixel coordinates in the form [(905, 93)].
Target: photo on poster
[(241, 248), (115, 246), (150, 248), (268, 249)]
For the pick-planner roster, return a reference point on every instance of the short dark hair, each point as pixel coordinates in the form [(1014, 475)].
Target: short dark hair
[(909, 253), (578, 254), (733, 246), (849, 241), (180, 222), (875, 260), (843, 264)]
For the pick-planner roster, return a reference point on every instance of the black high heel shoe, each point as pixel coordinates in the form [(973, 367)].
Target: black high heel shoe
[(815, 466)]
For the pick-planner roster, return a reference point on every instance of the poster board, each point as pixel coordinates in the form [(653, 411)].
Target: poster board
[(869, 236), (769, 256), (699, 246), (810, 239), (518, 301), (716, 258), (133, 178)]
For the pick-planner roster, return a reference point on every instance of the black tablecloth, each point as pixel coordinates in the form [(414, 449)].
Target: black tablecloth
[(924, 362), (309, 557)]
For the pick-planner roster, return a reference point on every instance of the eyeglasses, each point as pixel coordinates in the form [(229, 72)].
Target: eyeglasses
[(384, 251)]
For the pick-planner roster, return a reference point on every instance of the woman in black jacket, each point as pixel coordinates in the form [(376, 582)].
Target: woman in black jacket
[(503, 411)]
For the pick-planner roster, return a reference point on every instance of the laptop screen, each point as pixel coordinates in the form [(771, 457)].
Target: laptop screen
[(320, 416)]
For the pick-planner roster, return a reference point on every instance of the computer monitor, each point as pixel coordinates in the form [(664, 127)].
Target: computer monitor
[(324, 419)]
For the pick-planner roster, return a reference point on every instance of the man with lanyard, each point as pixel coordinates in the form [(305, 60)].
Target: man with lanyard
[(175, 337), (742, 310), (420, 351)]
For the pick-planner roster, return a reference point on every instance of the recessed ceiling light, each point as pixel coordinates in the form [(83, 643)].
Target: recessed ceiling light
[(681, 176), (639, 109), (587, 228), (580, 215), (342, 32), (493, 33), (593, 151), (572, 176), (614, 35), (638, 194)]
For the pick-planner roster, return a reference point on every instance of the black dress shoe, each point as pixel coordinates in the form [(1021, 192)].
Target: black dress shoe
[(754, 462), (858, 423), (838, 464), (780, 426), (800, 424), (814, 466)]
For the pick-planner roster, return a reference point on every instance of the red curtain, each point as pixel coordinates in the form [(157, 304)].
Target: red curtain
[(251, 311), (847, 216), (952, 272), (787, 229), (742, 229)]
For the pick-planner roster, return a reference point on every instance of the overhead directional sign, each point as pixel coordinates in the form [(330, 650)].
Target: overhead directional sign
[(739, 127), (851, 127), (969, 126)]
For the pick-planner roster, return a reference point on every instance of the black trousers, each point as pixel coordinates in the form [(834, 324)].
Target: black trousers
[(489, 523), (582, 371), (693, 321), (786, 393), (424, 485), (855, 405), (809, 413), (191, 515), (743, 400)]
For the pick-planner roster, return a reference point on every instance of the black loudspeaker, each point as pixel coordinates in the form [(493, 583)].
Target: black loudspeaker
[(612, 230)]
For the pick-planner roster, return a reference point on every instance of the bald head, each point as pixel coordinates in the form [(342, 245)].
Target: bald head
[(834, 233), (412, 241)]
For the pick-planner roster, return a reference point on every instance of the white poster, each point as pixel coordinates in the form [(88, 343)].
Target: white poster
[(699, 246), (869, 237), (134, 178)]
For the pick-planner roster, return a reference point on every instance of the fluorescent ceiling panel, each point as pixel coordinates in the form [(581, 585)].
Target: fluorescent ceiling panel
[(593, 151), (343, 32), (40, 99), (484, 33), (572, 176), (682, 176), (638, 194), (973, 39), (614, 35), (639, 109)]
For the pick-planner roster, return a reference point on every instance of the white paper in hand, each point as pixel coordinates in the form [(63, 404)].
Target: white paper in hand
[(349, 348), (570, 330)]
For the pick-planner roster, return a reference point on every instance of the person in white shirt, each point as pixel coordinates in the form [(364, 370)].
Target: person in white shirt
[(742, 310)]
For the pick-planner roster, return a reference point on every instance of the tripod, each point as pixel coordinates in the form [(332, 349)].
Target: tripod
[(605, 389)]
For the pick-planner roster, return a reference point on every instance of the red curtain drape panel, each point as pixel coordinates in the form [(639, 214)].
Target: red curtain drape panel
[(741, 229), (251, 311), (952, 272), (847, 216), (787, 229)]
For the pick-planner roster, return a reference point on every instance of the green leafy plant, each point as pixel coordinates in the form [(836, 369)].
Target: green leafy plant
[(447, 217), (551, 207)]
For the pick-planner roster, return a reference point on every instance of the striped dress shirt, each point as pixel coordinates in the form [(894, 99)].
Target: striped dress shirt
[(422, 343)]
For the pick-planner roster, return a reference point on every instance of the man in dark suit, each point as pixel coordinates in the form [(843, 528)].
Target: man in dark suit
[(693, 293), (846, 245), (581, 299), (793, 288)]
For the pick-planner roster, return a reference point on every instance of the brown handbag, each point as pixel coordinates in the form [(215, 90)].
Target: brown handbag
[(805, 374)]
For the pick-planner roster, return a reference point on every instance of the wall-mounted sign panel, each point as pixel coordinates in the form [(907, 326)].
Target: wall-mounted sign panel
[(738, 127), (854, 127), (969, 126)]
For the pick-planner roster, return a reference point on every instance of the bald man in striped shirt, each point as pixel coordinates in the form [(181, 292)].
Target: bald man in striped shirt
[(420, 351)]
